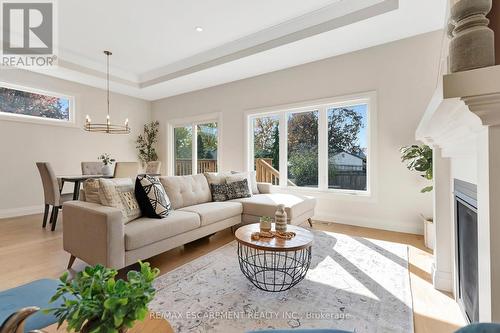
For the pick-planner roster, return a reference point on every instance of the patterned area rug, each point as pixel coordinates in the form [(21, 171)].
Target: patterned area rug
[(355, 284)]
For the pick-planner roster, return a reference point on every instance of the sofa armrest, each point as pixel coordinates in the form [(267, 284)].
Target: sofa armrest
[(94, 233), (264, 188)]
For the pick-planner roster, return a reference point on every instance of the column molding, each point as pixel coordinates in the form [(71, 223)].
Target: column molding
[(443, 266)]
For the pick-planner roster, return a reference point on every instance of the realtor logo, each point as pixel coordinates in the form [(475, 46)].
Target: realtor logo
[(27, 33)]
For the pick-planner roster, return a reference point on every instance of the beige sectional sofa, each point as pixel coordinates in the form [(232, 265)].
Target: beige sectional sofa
[(97, 234)]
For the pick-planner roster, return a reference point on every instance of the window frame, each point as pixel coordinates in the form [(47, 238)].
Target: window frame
[(71, 122), (322, 105), (192, 122)]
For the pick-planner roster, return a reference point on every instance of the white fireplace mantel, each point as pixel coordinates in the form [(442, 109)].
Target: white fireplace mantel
[(462, 124)]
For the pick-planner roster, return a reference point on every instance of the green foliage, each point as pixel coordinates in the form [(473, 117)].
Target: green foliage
[(207, 141), (146, 142), (303, 168), (31, 104), (106, 159), (102, 304), (183, 142), (275, 150), (344, 126), (419, 158)]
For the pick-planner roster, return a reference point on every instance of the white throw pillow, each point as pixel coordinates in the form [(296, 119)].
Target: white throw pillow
[(251, 178)]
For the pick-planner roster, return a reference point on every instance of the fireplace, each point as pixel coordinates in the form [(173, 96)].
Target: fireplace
[(467, 249)]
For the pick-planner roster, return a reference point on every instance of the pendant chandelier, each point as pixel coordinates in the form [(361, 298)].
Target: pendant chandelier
[(107, 127)]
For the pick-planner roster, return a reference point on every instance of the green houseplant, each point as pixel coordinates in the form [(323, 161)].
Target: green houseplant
[(419, 158), (146, 142), (95, 302)]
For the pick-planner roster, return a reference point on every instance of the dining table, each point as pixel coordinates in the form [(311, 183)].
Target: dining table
[(77, 180)]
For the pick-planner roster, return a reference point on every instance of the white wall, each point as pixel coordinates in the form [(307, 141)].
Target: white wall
[(404, 75), (23, 144)]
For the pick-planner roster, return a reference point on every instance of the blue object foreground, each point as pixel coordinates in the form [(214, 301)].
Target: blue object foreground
[(36, 293), (480, 328), (321, 330)]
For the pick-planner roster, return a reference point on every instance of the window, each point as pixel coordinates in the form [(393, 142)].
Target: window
[(266, 140), (17, 103), (183, 141), (302, 141), (325, 146), (347, 147), (195, 148)]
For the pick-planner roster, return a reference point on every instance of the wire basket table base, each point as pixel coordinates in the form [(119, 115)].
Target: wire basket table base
[(274, 271)]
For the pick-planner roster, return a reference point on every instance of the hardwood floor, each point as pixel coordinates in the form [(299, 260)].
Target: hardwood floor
[(28, 252)]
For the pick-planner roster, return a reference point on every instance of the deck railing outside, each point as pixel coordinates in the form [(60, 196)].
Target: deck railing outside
[(266, 173), (185, 166)]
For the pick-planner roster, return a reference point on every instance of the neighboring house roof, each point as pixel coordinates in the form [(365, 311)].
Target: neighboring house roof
[(361, 155)]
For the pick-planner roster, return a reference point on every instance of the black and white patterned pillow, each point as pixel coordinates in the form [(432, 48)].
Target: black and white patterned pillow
[(152, 197), (235, 190)]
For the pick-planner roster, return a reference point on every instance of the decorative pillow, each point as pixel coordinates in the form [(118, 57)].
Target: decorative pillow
[(251, 178), (91, 191), (219, 192), (152, 197), (230, 191), (216, 178), (119, 193)]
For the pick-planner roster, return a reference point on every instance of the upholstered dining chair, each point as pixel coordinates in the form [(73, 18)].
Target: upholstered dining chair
[(126, 169), (153, 167), (92, 168), (52, 193)]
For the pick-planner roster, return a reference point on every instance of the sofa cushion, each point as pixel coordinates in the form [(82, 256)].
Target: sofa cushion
[(145, 231), (266, 204), (212, 212), (186, 191)]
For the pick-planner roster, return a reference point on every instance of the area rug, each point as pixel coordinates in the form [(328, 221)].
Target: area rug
[(355, 284)]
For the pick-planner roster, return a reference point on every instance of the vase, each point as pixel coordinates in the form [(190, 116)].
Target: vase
[(472, 41), (280, 219), (106, 170)]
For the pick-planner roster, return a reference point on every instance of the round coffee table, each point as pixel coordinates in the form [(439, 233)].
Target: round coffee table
[(274, 264)]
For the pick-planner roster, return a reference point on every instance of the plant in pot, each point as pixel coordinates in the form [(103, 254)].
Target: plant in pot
[(419, 158), (146, 142), (107, 161), (95, 302)]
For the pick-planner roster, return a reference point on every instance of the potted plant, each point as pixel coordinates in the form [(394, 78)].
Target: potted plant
[(419, 158), (146, 143), (94, 302), (107, 162)]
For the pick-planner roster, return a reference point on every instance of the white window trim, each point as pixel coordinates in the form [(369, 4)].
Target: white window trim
[(322, 105), (192, 122), (39, 120)]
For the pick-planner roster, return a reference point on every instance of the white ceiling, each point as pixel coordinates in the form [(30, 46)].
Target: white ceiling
[(157, 51)]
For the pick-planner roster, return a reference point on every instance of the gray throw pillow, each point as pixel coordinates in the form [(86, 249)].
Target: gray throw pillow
[(230, 191)]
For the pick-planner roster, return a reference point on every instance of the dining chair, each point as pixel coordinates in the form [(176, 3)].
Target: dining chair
[(92, 168), (153, 167), (126, 169), (52, 193)]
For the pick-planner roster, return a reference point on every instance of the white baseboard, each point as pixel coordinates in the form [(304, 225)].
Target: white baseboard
[(408, 227), (21, 211)]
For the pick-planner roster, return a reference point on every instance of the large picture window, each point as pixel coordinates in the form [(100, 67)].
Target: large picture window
[(19, 103), (326, 145), (195, 148)]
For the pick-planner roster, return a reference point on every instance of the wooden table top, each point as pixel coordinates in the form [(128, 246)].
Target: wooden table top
[(149, 325), (75, 178), (303, 239)]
